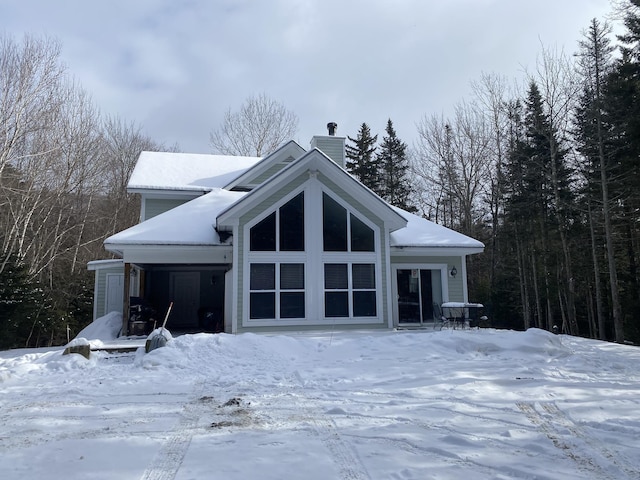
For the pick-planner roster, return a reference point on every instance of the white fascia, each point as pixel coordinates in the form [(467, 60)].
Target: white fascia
[(434, 251), (174, 254)]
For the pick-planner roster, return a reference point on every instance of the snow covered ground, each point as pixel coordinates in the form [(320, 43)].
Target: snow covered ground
[(472, 404)]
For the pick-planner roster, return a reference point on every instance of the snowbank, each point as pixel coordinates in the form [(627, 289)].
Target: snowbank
[(104, 328), (481, 404)]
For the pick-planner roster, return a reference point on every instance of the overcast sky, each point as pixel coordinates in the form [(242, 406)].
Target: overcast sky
[(175, 66)]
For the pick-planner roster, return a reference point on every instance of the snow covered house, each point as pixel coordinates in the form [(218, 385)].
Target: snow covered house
[(289, 241)]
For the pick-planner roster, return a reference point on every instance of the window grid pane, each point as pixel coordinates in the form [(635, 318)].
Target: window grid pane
[(364, 304), (262, 305), (364, 276), (362, 237), (336, 276), (292, 276), (292, 305), (262, 236), (263, 276), (336, 304), (334, 225), (292, 225)]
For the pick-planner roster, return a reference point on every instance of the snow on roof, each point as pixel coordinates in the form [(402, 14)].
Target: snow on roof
[(98, 264), (191, 223), (187, 171), (421, 232)]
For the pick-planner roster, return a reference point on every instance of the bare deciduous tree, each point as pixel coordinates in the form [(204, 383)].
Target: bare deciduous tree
[(30, 80), (122, 144), (453, 161), (494, 96), (555, 74), (258, 128)]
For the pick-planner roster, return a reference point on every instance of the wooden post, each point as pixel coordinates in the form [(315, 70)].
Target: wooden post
[(126, 300), (142, 285)]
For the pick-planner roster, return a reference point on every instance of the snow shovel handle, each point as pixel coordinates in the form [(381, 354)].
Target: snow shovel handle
[(167, 315)]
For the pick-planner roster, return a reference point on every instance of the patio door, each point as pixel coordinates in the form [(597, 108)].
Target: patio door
[(415, 295)]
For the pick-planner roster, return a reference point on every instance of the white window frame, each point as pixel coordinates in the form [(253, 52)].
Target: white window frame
[(350, 291), (276, 257), (313, 257)]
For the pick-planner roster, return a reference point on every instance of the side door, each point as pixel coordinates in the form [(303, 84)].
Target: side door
[(184, 291), (114, 295)]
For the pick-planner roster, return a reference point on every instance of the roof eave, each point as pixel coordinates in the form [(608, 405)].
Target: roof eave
[(435, 250)]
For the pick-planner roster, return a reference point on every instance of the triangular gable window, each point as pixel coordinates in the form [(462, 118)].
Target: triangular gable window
[(287, 222), (336, 222)]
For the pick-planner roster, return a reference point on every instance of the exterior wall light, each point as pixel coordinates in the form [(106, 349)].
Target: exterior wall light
[(453, 272)]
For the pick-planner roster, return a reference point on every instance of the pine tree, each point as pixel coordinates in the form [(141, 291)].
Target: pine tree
[(537, 204), (361, 162), (595, 63), (395, 187), (21, 303), (622, 113)]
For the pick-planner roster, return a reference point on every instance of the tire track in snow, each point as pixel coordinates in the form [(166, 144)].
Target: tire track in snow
[(567, 436), (167, 462), (349, 464), (561, 419)]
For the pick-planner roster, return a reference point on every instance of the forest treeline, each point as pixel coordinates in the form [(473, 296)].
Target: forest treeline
[(63, 174), (545, 173), (547, 176)]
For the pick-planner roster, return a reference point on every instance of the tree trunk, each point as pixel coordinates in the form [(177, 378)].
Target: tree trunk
[(596, 274)]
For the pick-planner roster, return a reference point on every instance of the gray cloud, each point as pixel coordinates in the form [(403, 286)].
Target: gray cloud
[(176, 66)]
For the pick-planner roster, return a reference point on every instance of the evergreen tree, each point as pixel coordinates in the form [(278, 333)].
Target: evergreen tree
[(22, 303), (622, 107), (395, 187), (361, 162), (536, 205), (593, 138)]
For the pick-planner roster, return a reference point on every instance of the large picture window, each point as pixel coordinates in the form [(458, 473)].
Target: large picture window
[(291, 224), (276, 290), (284, 229), (350, 290), (262, 282), (263, 235), (312, 259), (343, 231), (334, 225)]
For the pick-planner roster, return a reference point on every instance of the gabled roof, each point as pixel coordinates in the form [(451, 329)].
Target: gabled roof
[(186, 171), (313, 161), (191, 223), (421, 233), (265, 168)]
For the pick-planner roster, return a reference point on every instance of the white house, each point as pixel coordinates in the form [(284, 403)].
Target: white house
[(288, 241)]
